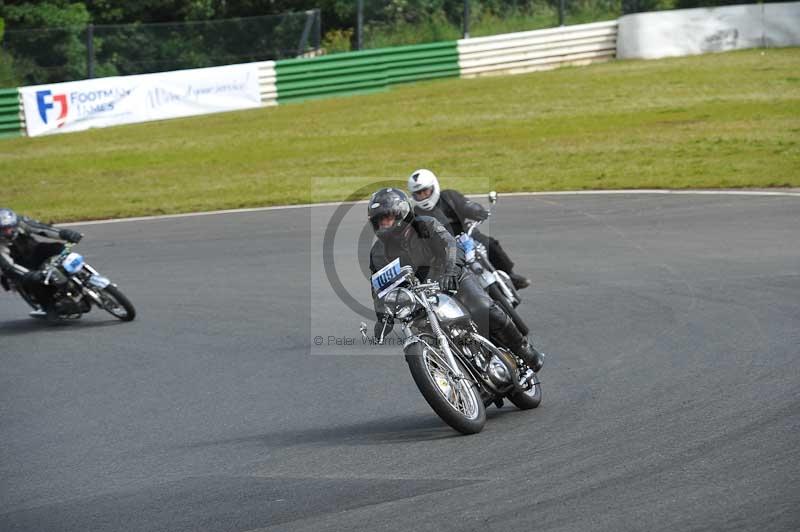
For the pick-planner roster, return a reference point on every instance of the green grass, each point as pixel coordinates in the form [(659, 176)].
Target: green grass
[(722, 120)]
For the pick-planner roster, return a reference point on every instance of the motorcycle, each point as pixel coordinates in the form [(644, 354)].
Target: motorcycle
[(458, 371), (497, 283), (78, 287)]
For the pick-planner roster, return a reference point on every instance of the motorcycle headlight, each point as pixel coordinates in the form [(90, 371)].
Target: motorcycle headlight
[(399, 303)]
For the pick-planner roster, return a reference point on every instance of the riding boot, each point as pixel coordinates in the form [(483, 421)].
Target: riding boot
[(506, 333), (519, 281)]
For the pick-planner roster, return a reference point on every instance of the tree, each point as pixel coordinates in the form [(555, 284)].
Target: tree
[(46, 39)]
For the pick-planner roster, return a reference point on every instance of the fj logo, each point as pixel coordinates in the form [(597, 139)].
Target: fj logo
[(46, 101)]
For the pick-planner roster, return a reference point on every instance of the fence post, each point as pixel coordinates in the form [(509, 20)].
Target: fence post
[(360, 26), (90, 51), (560, 12), (318, 41), (310, 17), (465, 31)]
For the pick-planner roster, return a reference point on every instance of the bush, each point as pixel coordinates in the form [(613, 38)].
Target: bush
[(336, 41)]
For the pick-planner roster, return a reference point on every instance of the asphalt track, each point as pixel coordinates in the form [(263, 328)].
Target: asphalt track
[(672, 390)]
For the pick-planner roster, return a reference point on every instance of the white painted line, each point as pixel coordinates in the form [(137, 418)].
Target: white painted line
[(793, 192)]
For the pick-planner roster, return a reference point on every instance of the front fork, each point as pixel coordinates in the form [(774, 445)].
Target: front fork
[(441, 338)]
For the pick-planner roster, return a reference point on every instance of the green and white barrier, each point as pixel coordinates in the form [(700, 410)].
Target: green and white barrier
[(528, 51), (48, 107), (364, 71), (11, 122), (267, 83)]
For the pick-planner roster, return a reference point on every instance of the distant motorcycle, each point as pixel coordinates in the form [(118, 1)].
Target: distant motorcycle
[(458, 371), (78, 288), (497, 283)]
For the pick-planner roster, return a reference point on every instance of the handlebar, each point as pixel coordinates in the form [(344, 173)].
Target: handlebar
[(473, 226), (67, 248), (476, 223)]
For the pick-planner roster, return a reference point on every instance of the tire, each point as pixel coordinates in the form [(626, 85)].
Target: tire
[(434, 389), (501, 300), (117, 304), (526, 400)]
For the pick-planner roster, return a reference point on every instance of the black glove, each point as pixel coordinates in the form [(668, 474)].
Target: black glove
[(70, 236), (32, 278), (448, 282), (481, 214), (383, 327)]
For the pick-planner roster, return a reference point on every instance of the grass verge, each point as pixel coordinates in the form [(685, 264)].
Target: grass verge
[(722, 120)]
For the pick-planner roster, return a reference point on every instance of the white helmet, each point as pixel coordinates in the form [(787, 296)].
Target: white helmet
[(419, 184)]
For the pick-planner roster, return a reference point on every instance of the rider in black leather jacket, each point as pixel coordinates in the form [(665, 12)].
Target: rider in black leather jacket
[(423, 243), (22, 254), (451, 208)]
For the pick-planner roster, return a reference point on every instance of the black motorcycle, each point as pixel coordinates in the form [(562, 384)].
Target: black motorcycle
[(77, 288), (497, 283), (458, 371)]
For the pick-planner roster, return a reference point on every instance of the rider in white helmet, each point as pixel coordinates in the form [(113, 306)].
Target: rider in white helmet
[(451, 208)]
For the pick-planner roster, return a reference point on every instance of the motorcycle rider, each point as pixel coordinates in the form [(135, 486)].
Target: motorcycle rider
[(423, 243), (451, 208), (22, 255)]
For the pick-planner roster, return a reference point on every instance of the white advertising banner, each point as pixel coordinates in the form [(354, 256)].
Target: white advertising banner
[(699, 31), (79, 105)]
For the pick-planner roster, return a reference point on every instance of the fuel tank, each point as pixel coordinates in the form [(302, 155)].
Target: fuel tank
[(450, 311)]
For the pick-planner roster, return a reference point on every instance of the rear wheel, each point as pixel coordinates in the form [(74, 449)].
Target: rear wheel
[(454, 399), (529, 394), (116, 304)]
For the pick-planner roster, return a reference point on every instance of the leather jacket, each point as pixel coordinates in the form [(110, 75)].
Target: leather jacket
[(425, 245), (453, 209), (13, 253)]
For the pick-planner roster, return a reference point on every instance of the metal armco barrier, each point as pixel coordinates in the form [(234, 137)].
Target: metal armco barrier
[(365, 71), (529, 51), (11, 124), (267, 79)]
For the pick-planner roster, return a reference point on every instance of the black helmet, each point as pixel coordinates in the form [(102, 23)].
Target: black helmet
[(9, 225), (389, 202)]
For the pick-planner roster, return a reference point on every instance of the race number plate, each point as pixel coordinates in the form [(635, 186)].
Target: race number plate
[(468, 245), (386, 278), (73, 263)]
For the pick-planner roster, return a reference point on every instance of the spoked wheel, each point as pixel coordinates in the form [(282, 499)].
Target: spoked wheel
[(529, 393), (454, 399), (116, 304)]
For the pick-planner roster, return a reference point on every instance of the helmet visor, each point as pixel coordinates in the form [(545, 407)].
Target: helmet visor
[(385, 221), (422, 194)]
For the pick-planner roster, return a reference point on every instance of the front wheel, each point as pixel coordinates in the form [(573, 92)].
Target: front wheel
[(116, 304), (455, 400)]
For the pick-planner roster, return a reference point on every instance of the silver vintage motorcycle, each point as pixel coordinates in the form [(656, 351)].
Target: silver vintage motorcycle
[(78, 288), (458, 371)]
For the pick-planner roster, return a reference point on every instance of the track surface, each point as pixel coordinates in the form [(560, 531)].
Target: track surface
[(672, 390)]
